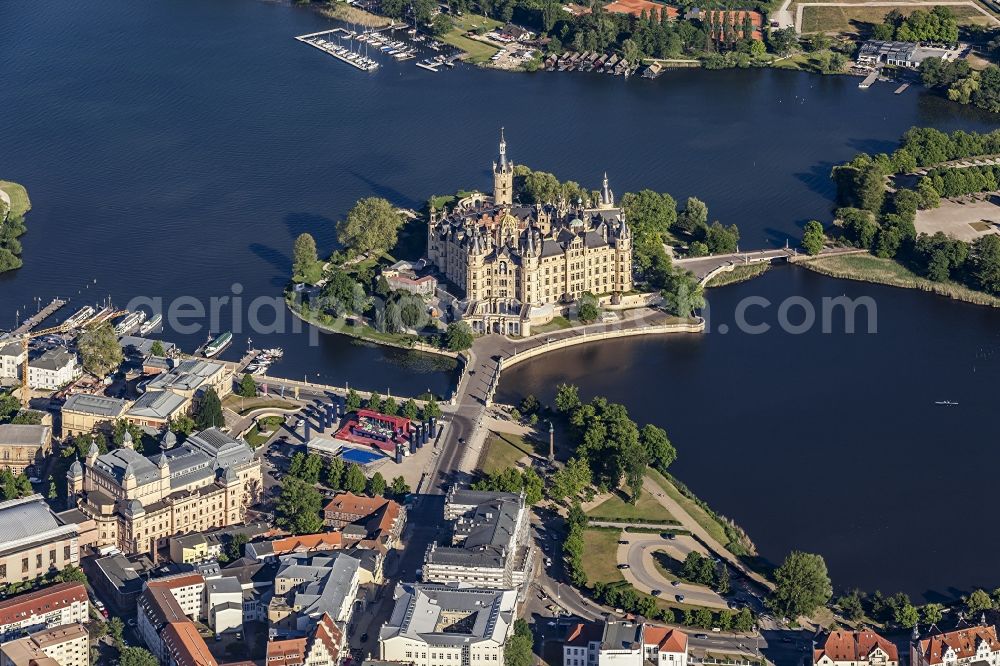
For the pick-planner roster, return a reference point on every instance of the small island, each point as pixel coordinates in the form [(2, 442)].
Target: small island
[(532, 257), (14, 203)]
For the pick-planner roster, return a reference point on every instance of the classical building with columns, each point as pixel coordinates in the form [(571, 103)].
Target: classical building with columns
[(138, 503), (517, 265)]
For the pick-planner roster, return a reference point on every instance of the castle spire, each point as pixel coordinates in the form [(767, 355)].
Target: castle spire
[(607, 196), (503, 149)]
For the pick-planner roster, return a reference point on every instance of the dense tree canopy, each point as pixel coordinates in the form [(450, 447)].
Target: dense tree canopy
[(372, 226), (802, 585), (99, 350)]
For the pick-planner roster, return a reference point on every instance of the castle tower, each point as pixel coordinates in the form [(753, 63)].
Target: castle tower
[(607, 196), (74, 484), (503, 176)]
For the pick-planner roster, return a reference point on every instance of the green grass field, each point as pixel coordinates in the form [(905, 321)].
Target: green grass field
[(19, 201), (852, 19), (557, 324), (646, 509), (706, 521), (503, 450), (600, 556), (869, 268), (478, 51)]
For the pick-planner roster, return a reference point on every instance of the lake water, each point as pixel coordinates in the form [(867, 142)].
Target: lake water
[(175, 149)]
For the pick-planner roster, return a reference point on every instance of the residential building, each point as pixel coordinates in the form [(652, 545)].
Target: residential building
[(322, 647), (24, 446), (615, 643), (382, 518), (976, 644), (402, 276), (83, 413), (52, 606), (308, 586), (34, 541), (138, 503), (193, 377), (11, 360), (66, 645), (273, 549), (256, 579), (56, 367), (224, 603), (519, 265), (121, 579), (203, 546), (855, 648), (445, 625), (165, 612), (491, 542)]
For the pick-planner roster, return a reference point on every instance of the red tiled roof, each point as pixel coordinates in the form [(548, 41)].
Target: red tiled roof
[(665, 639), (45, 600), (330, 635), (358, 505), (854, 646), (963, 641), (307, 542), (186, 646), (636, 7), (291, 652), (172, 582)]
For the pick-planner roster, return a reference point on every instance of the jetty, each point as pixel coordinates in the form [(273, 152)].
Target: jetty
[(36, 319), (339, 52), (901, 88), (869, 80)]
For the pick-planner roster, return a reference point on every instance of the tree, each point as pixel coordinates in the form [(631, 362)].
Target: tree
[(458, 336), (518, 651), (567, 398), (782, 42), (931, 613), (720, 239), (335, 473), (813, 239), (802, 585), (659, 450), (409, 409), (71, 574), (851, 605), (693, 217), (442, 24), (431, 409), (588, 310), (298, 507), (157, 349), (906, 616), (683, 294), (136, 656), (9, 406), (305, 263), (390, 407), (376, 485), (743, 621), (978, 602), (985, 260), (234, 547), (372, 226), (116, 629), (354, 479), (209, 414), (399, 488), (352, 402), (374, 402), (99, 350), (247, 387)]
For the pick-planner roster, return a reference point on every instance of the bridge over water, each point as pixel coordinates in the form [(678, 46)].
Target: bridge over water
[(705, 268)]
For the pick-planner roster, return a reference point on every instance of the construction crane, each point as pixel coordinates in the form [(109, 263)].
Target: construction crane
[(26, 339)]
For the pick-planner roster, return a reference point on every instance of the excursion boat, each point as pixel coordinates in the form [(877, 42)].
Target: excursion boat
[(131, 320), (151, 325), (217, 345), (79, 317)]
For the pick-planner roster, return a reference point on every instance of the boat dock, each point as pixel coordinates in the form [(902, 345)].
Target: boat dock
[(341, 53), (901, 88), (869, 80), (36, 319)]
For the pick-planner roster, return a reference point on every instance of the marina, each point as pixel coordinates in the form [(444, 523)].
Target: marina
[(342, 53), (371, 42)]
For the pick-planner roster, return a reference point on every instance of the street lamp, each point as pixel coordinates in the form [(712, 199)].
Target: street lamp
[(552, 442)]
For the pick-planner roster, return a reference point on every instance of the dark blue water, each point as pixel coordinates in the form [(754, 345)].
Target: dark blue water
[(175, 149)]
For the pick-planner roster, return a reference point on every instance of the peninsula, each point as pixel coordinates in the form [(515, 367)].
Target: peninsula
[(14, 203)]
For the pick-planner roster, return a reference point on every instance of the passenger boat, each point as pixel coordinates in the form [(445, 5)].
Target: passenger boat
[(129, 322), (217, 345), (151, 325), (79, 317)]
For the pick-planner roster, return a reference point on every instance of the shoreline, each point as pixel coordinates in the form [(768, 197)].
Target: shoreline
[(874, 270)]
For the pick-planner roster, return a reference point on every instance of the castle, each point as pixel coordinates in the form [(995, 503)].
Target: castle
[(519, 265)]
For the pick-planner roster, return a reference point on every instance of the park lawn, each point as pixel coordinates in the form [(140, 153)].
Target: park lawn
[(478, 51), (851, 19), (706, 521), (19, 201), (804, 62), (503, 450), (557, 324), (600, 556), (647, 509), (869, 268)]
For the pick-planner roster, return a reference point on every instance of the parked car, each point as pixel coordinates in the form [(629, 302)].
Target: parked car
[(679, 597), (656, 593), (623, 542), (701, 635), (623, 566), (676, 583)]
